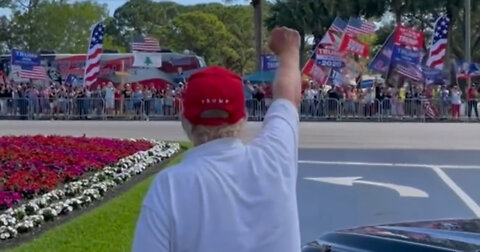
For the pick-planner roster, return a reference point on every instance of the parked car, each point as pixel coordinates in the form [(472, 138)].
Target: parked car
[(427, 236)]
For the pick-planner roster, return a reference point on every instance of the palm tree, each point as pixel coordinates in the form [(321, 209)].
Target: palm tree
[(257, 21)]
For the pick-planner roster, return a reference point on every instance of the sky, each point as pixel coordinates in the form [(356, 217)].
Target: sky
[(114, 4)]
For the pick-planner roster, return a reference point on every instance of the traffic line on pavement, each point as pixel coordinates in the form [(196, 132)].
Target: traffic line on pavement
[(467, 200), (474, 207), (460, 167)]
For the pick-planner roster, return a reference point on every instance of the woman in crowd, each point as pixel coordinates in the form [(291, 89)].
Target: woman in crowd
[(158, 104), (147, 97), (137, 101), (456, 99), (127, 97)]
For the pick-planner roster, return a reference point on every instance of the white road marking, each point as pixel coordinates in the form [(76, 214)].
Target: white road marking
[(469, 202), (472, 167), (403, 191), (458, 191)]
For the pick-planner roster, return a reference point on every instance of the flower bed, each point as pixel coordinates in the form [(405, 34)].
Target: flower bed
[(43, 177)]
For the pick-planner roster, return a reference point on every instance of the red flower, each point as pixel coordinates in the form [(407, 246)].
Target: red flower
[(35, 164)]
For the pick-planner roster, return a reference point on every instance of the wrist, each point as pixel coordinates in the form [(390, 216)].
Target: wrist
[(289, 58)]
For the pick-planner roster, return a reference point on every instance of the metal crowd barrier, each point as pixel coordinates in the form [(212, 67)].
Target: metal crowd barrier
[(169, 109)]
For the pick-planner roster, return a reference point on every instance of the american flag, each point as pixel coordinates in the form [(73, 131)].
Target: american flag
[(145, 44), (331, 39), (338, 25), (430, 111), (34, 73), (95, 49), (438, 48), (357, 26), (410, 71)]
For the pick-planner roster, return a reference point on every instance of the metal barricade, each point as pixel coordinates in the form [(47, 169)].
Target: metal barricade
[(87, 108), (164, 108), (169, 108), (471, 109), (15, 108), (320, 109), (133, 109), (256, 109)]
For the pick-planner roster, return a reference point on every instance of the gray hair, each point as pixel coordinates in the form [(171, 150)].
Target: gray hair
[(200, 134)]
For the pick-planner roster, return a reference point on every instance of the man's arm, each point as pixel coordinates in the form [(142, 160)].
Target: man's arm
[(285, 43), (279, 136)]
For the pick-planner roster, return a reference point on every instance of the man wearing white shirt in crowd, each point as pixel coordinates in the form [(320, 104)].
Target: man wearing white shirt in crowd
[(109, 95), (310, 95), (226, 195)]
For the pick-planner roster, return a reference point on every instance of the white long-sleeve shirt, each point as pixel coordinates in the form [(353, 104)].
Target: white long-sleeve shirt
[(227, 196)]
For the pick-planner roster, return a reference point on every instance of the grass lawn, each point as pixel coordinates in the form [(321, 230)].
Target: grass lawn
[(107, 228)]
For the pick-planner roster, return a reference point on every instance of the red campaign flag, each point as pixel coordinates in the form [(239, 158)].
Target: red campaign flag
[(350, 44), (307, 69), (320, 74), (409, 37)]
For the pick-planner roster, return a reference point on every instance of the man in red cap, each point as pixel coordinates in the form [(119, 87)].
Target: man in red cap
[(225, 195)]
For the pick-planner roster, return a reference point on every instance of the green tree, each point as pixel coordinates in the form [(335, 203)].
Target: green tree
[(66, 31), (258, 28), (238, 21), (144, 17), (202, 33)]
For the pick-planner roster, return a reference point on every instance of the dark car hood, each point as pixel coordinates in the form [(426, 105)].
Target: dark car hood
[(442, 235)]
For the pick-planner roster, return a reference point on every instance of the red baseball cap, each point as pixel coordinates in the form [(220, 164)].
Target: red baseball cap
[(214, 89)]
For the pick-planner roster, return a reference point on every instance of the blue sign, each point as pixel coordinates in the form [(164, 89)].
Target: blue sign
[(329, 58), (332, 63), (381, 62), (401, 54), (269, 63), (367, 83), (25, 59)]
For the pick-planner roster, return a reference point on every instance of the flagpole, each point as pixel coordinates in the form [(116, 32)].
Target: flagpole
[(338, 46), (389, 72), (468, 34)]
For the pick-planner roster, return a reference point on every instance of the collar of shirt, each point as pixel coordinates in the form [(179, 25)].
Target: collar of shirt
[(213, 147)]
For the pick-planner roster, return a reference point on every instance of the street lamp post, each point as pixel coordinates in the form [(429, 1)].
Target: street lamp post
[(468, 33)]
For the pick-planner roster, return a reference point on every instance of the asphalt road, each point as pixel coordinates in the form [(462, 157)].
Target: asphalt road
[(312, 135), (350, 174), (448, 179)]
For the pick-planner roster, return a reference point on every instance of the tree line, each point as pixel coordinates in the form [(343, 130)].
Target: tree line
[(223, 34)]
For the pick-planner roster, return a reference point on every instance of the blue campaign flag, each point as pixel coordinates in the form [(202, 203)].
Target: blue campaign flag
[(466, 70), (381, 62), (401, 54), (329, 58), (434, 76), (337, 77), (269, 63), (70, 80), (25, 59)]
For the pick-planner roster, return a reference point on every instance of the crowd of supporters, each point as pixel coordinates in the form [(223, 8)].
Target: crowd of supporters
[(134, 101), (380, 100), (60, 101)]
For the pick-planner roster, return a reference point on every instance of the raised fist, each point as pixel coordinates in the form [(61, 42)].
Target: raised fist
[(284, 41)]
